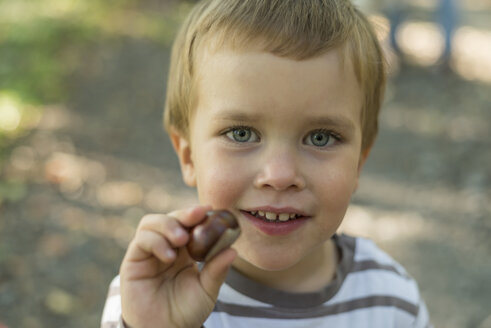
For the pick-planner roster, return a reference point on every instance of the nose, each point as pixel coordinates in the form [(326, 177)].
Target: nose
[(280, 171)]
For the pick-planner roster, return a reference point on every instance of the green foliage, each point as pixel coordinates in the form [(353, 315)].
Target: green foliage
[(43, 42), (37, 56), (12, 191)]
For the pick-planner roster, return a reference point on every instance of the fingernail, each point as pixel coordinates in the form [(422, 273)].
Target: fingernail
[(193, 208), (178, 232), (170, 253)]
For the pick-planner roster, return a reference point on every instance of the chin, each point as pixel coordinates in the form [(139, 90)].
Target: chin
[(270, 261), (277, 266)]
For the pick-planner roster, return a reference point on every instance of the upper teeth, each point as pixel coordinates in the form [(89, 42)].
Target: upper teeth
[(284, 216), (273, 216)]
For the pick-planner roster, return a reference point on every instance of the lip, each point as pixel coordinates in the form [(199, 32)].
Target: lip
[(276, 228)]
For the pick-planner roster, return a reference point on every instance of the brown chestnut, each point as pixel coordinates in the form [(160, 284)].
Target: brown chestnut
[(217, 231)]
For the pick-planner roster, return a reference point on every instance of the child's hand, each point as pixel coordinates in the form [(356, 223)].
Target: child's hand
[(161, 285)]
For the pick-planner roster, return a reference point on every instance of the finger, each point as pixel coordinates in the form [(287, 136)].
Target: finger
[(149, 243), (169, 227), (191, 216), (215, 271)]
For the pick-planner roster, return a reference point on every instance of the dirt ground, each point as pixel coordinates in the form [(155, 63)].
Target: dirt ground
[(94, 165)]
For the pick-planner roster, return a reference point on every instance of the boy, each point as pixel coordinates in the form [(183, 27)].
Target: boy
[(272, 109)]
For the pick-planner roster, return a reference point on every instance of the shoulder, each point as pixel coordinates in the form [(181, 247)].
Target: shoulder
[(374, 279), (367, 255), (365, 261)]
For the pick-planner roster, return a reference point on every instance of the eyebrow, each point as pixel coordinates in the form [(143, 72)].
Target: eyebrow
[(331, 120), (234, 115), (335, 121)]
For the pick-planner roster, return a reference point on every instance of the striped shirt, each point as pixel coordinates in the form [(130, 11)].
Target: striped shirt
[(370, 290)]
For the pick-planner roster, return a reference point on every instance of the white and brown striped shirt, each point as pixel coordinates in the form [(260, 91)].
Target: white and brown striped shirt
[(370, 290)]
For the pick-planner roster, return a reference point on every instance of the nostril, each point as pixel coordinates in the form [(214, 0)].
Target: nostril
[(280, 171), (280, 182)]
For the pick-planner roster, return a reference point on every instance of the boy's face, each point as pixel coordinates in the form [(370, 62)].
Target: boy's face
[(278, 136)]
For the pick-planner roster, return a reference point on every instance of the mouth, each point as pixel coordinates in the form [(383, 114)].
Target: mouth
[(274, 217), (281, 222)]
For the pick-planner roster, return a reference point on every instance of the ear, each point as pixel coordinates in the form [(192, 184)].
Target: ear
[(183, 150), (363, 158)]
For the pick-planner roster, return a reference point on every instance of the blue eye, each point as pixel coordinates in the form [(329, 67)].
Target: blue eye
[(320, 138), (242, 134)]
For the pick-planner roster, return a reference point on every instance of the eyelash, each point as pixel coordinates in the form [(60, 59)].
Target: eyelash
[(328, 133), (331, 133), (238, 127)]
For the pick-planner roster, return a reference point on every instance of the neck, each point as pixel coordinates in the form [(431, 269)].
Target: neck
[(316, 271)]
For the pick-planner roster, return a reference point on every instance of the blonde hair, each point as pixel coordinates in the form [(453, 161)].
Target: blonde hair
[(297, 29)]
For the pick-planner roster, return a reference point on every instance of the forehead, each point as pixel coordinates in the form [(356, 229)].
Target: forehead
[(264, 83)]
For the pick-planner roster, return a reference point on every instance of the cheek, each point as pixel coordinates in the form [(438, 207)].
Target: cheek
[(335, 189), (219, 183)]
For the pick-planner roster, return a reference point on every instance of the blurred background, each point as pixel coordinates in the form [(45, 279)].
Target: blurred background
[(83, 155)]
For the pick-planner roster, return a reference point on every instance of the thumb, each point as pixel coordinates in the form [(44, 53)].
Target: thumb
[(215, 271)]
